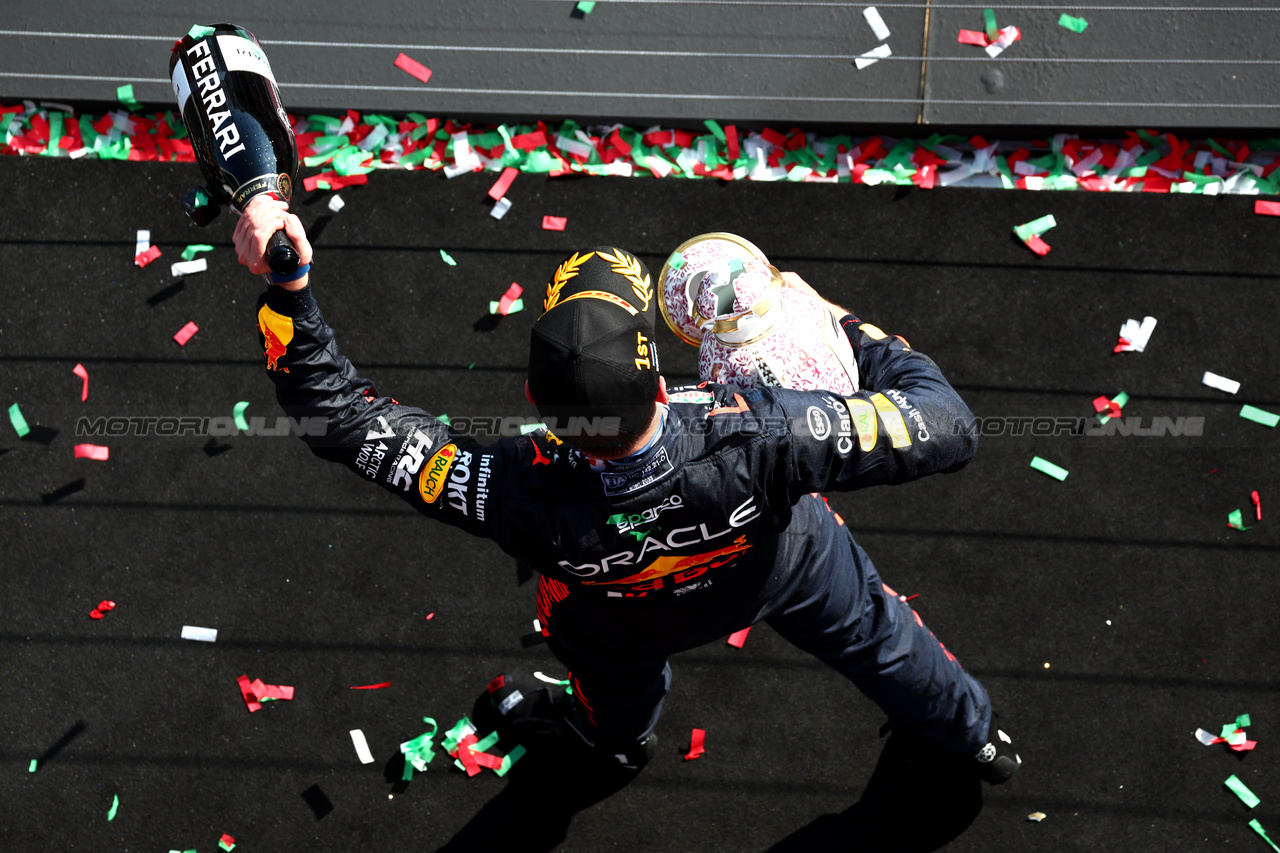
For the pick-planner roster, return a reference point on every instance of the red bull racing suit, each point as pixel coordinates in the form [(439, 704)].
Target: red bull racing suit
[(715, 526)]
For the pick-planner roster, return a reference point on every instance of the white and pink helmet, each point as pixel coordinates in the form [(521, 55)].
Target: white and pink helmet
[(721, 294)]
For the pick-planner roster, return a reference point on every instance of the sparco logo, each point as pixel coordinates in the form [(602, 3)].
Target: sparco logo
[(819, 423), (212, 96)]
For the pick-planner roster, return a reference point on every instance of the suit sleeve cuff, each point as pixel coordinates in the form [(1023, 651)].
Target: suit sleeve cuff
[(291, 303)]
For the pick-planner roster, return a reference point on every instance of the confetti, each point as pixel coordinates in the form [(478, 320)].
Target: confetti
[(372, 686), (256, 692), (237, 414), (18, 421), (115, 807), (124, 94), (143, 242), (992, 29), (1037, 816), (738, 638), (510, 303), (1235, 520), (1007, 37), (1257, 505), (444, 256), (1076, 25), (92, 451), (226, 842), (203, 635), (31, 768), (184, 334), (419, 752), (1134, 336), (1259, 416), (1046, 467), (199, 31), (1242, 791), (1267, 208), (500, 187), (1113, 407), (146, 256), (1222, 383), (102, 609), (876, 22), (336, 203), (1257, 827), (500, 209), (697, 743), (1232, 734), (554, 223), (190, 252), (871, 57), (413, 68), (362, 746), (79, 370), (188, 267), (585, 6), (431, 616)]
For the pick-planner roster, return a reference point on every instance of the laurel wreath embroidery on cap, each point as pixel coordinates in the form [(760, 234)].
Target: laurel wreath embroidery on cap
[(564, 272), (629, 268)]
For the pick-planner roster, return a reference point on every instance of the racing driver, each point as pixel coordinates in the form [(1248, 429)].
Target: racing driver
[(659, 519)]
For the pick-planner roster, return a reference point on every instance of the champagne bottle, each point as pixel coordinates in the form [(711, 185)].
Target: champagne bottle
[(239, 131)]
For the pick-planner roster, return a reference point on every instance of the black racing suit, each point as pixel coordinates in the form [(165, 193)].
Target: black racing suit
[(714, 527)]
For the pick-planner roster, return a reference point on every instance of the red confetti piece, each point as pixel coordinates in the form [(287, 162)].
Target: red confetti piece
[(696, 744), (499, 189), (247, 691), (1038, 246), (973, 37), (508, 298), (104, 606), (1257, 504), (334, 180), (184, 334), (92, 451), (737, 638), (554, 223), (431, 615), (226, 842), (413, 68), (467, 756), (731, 141), (1121, 344), (95, 613), (147, 257), (1267, 208), (1100, 404), (372, 686), (79, 370)]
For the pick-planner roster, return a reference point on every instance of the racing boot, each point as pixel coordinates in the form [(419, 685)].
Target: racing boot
[(998, 760)]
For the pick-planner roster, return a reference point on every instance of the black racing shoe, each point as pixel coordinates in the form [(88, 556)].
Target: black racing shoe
[(520, 707), (998, 760)]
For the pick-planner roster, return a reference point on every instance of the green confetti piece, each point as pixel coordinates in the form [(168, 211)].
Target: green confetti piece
[(1046, 467), (1035, 227), (585, 6), (1259, 416), (55, 133), (202, 197), (1121, 400), (190, 252), (716, 130), (444, 256), (487, 741), (32, 767), (18, 421), (528, 428), (199, 31), (407, 775), (993, 30), (225, 846), (1241, 722), (115, 805), (1076, 25), (238, 414), (124, 94), (1257, 827), (1235, 520), (1242, 791), (509, 759), (676, 261), (444, 419)]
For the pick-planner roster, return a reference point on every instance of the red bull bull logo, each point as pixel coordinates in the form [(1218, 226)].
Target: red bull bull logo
[(277, 334)]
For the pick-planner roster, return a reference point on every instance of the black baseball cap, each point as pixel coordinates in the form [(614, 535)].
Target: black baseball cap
[(593, 366)]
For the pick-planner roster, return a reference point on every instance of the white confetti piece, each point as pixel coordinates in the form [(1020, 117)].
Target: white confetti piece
[(876, 22), (500, 209), (144, 242), (188, 267), (1222, 383), (336, 203), (204, 635), (362, 746), (871, 57), (1137, 334)]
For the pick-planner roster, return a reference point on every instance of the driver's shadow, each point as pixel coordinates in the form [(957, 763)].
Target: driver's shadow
[(917, 799)]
